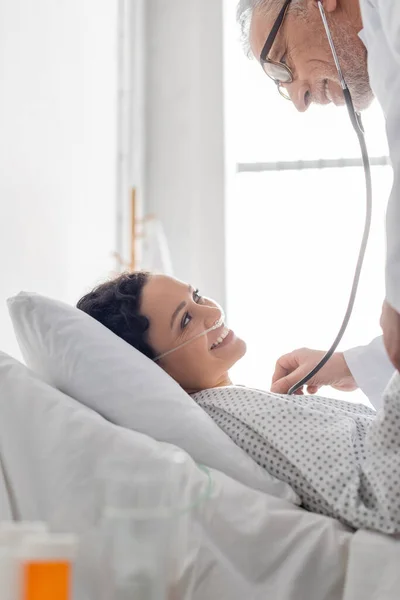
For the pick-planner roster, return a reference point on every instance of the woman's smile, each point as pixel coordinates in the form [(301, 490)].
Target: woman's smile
[(225, 337)]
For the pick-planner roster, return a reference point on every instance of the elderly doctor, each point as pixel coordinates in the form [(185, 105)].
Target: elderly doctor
[(366, 34)]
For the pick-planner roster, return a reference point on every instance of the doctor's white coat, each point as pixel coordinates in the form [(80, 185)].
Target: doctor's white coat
[(370, 364)]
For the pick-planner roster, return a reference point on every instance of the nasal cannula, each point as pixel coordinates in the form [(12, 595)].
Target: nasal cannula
[(217, 324), (355, 119)]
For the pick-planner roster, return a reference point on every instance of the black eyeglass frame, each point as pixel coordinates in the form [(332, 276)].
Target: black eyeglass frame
[(265, 60)]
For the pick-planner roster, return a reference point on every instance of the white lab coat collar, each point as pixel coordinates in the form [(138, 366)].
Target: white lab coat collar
[(363, 37)]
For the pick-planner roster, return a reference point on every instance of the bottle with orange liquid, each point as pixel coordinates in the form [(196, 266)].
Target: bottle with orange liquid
[(46, 566), (11, 535)]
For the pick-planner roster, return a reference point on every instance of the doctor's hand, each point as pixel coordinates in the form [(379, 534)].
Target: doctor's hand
[(292, 367), (390, 323)]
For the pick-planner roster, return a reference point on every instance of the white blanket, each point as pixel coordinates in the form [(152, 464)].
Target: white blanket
[(254, 546), (5, 500)]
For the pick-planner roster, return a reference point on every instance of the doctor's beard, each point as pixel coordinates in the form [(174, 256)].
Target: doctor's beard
[(353, 60)]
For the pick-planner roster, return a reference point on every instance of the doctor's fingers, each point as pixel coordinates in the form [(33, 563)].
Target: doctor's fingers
[(287, 373), (285, 365), (292, 367), (312, 389), (283, 385)]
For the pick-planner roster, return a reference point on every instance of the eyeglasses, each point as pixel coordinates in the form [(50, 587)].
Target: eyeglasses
[(277, 71)]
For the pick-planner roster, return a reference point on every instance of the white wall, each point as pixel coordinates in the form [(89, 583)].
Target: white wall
[(185, 168), (58, 82)]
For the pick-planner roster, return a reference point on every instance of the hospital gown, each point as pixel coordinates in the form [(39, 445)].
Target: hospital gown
[(342, 459)]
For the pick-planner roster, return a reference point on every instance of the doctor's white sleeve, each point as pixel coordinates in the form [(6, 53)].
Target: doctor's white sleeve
[(389, 12), (371, 369)]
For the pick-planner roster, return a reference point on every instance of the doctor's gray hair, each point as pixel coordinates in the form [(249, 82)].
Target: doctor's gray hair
[(245, 12)]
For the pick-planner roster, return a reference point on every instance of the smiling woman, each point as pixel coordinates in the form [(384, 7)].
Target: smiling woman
[(171, 323), (316, 445)]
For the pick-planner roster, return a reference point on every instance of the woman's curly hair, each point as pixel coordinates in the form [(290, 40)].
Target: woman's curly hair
[(116, 304)]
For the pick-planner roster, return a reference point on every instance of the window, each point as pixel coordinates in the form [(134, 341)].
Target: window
[(293, 228)]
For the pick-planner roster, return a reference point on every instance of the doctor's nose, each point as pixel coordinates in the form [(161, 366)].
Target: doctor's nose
[(300, 95)]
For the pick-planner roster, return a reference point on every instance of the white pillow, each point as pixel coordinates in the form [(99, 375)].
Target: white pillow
[(56, 455), (86, 361)]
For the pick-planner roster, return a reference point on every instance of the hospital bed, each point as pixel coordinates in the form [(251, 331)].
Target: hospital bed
[(254, 544)]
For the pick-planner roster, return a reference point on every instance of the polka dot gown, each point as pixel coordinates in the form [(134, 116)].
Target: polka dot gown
[(342, 459)]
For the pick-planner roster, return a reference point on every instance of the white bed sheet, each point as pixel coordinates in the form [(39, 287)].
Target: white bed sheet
[(5, 502), (373, 571), (254, 546)]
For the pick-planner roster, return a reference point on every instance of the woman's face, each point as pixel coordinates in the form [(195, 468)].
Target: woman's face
[(178, 313)]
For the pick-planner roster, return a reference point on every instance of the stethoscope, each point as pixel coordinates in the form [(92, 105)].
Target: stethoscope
[(355, 119)]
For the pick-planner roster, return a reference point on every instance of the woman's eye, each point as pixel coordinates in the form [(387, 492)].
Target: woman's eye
[(185, 320), (196, 296), (186, 317)]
